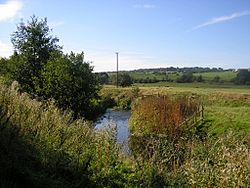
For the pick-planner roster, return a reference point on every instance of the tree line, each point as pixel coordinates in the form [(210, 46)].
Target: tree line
[(127, 78)]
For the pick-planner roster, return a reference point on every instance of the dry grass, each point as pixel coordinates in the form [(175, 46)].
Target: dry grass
[(162, 114)]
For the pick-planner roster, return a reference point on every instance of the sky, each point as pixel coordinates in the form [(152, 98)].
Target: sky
[(146, 33)]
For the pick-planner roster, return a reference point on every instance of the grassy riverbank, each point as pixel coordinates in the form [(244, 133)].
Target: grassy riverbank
[(43, 146)]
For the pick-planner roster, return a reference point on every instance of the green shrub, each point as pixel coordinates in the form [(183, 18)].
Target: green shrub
[(120, 98)]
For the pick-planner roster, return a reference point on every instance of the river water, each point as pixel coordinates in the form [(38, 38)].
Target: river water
[(117, 120)]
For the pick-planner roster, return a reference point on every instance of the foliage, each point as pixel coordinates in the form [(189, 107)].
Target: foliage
[(243, 77), (125, 80), (45, 72), (34, 43), (70, 81), (161, 114), (186, 78), (158, 134), (120, 98), (199, 78), (42, 146), (102, 77), (172, 74), (221, 162), (216, 79), (5, 70)]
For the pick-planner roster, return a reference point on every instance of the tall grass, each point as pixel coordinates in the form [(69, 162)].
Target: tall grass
[(162, 114), (158, 135), (221, 162), (41, 146)]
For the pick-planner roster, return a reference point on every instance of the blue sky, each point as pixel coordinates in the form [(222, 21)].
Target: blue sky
[(146, 33)]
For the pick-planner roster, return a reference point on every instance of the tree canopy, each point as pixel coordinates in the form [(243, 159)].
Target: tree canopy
[(125, 80), (34, 43), (70, 81), (243, 77), (42, 69)]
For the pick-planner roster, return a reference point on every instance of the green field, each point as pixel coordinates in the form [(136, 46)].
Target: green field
[(225, 76), (155, 75)]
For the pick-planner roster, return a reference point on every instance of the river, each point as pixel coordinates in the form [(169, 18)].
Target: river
[(119, 121)]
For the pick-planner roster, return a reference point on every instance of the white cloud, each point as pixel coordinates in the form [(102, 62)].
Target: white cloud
[(10, 9), (5, 49), (145, 6), (221, 19)]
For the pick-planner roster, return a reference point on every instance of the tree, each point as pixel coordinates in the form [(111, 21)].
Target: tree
[(199, 78), (243, 77), (216, 79), (34, 43), (3, 66), (125, 80), (70, 82), (186, 78), (102, 77), (8, 67)]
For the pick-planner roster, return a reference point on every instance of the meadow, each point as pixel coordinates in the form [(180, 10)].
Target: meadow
[(224, 76)]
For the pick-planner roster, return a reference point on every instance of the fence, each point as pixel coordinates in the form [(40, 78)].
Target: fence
[(195, 118)]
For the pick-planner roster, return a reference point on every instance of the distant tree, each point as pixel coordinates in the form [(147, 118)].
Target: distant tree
[(112, 79), (34, 43), (186, 78), (125, 80), (103, 77), (216, 79), (199, 78), (243, 77)]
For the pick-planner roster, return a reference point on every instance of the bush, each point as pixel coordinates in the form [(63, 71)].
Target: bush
[(71, 83), (120, 98), (243, 77), (186, 78)]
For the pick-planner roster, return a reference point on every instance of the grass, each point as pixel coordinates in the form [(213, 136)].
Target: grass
[(157, 76), (225, 107), (195, 85), (226, 76), (42, 146), (161, 114)]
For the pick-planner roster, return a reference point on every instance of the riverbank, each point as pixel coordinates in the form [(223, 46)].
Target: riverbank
[(43, 146)]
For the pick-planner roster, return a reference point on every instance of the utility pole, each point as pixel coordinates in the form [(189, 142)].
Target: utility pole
[(117, 69)]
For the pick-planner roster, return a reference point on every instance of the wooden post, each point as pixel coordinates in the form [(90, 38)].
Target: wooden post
[(202, 109)]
